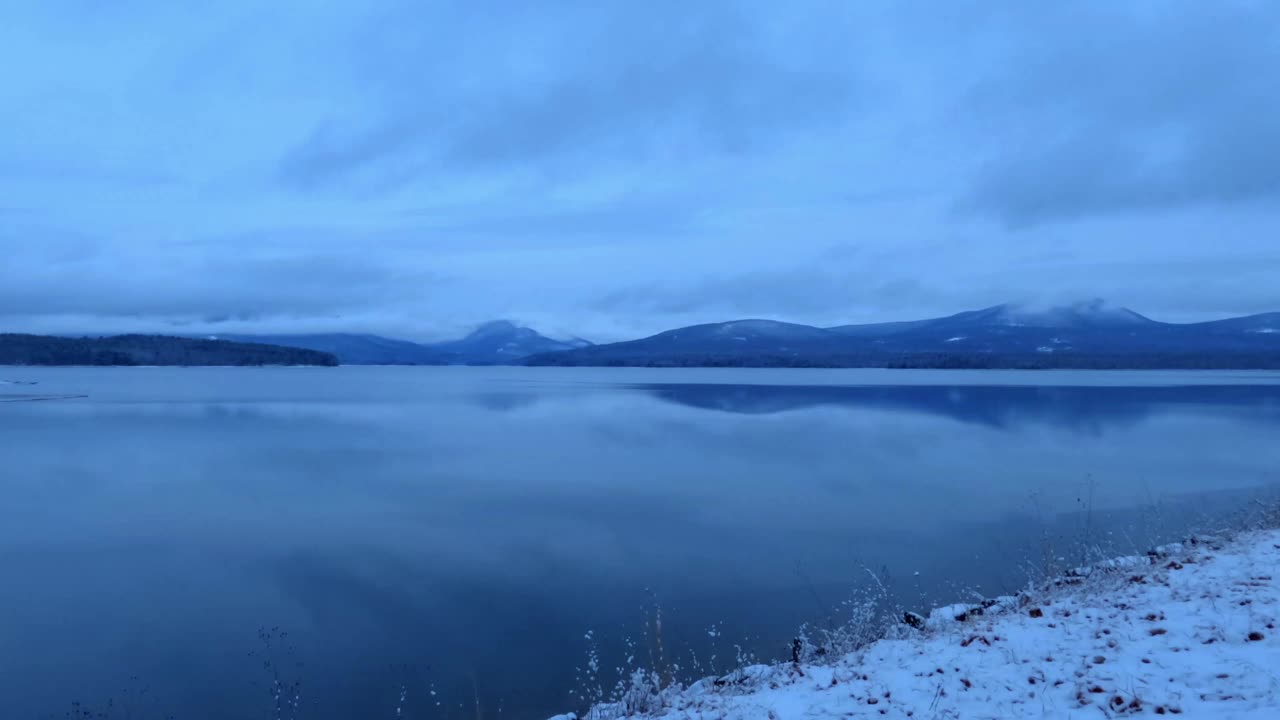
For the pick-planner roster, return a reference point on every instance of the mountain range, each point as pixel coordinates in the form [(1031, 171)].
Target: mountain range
[(494, 343), (1089, 334), (1092, 334)]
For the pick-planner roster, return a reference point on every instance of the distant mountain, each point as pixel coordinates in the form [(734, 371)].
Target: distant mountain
[(1094, 314), (1264, 324), (494, 343), (727, 337), (739, 342), (1086, 335), (502, 343), (354, 349), (149, 350), (1088, 328)]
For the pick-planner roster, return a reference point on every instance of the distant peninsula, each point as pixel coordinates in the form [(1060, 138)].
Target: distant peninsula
[(150, 350)]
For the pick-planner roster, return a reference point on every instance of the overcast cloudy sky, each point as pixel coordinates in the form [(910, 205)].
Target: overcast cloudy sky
[(611, 169)]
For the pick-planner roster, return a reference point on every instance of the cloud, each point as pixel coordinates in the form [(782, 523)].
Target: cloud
[(660, 83), (1102, 108), (569, 222), (841, 284), (611, 169), (59, 273)]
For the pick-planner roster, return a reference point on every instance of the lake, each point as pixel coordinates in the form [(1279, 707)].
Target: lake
[(461, 531)]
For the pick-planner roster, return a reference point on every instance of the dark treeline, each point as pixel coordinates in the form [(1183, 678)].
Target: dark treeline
[(936, 361), (149, 350)]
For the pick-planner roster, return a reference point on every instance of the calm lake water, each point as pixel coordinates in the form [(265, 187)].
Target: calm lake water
[(461, 530)]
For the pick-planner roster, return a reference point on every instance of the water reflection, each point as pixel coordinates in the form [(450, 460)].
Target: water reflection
[(1080, 408), (463, 530)]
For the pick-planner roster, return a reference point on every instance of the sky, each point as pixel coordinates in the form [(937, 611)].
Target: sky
[(613, 169)]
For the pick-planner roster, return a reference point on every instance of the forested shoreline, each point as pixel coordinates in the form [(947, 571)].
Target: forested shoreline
[(16, 349)]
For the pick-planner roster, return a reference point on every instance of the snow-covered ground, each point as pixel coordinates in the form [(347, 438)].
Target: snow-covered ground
[(1189, 630)]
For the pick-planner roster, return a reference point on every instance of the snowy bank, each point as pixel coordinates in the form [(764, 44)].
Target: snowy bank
[(1187, 630)]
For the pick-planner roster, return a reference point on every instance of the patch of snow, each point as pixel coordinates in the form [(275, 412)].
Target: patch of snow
[(751, 326), (1187, 630), (940, 618)]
